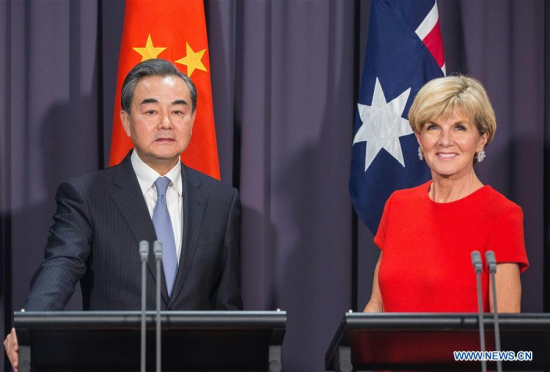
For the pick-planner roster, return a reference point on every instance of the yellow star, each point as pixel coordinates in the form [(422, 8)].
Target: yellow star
[(192, 60), (149, 52)]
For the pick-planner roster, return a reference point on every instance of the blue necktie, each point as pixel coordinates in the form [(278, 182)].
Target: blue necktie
[(165, 234)]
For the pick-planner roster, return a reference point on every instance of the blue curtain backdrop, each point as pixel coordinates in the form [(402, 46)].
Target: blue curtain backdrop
[(285, 77)]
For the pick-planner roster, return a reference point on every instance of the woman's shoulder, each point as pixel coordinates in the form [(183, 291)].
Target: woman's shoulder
[(407, 194), (496, 205), (497, 200)]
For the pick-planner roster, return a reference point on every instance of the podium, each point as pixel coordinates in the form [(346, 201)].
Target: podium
[(110, 341), (426, 341)]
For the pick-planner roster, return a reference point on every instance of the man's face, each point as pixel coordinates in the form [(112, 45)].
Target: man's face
[(161, 121)]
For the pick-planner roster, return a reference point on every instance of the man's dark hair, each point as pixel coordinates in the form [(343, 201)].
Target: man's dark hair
[(153, 67)]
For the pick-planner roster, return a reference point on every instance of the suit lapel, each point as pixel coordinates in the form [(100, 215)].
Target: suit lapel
[(130, 202), (194, 203)]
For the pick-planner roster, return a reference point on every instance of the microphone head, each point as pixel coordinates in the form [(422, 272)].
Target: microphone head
[(476, 261), (157, 248), (144, 249), (491, 261)]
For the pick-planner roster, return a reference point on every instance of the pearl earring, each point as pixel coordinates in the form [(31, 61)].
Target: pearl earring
[(420, 154), (480, 156)]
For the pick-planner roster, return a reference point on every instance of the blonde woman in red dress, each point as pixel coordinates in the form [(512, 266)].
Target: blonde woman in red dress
[(427, 233)]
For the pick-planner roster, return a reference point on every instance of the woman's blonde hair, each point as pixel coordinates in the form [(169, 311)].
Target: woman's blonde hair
[(441, 97)]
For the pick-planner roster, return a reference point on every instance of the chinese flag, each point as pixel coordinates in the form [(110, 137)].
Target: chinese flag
[(174, 30)]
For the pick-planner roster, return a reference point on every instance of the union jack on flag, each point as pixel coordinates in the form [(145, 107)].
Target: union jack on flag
[(404, 51)]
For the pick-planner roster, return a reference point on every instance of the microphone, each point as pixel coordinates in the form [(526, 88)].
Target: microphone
[(157, 248), (478, 267), (492, 266), (144, 253)]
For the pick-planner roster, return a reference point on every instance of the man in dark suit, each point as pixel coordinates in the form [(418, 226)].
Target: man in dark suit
[(102, 217)]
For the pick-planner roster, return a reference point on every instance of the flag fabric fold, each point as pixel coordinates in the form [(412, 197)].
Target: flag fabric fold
[(404, 51), (174, 30)]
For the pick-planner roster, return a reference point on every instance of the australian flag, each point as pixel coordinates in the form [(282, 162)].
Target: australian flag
[(404, 51)]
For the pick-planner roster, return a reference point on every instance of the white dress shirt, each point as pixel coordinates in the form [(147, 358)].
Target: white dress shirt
[(174, 195)]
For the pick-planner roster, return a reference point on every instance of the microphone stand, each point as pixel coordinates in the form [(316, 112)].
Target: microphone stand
[(157, 247), (492, 266), (144, 253), (478, 267)]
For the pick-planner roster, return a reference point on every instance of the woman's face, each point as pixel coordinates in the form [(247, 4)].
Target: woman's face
[(449, 145)]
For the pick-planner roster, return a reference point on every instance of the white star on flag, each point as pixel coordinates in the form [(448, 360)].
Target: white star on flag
[(383, 125)]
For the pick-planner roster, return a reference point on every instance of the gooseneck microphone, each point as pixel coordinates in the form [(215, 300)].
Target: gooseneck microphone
[(157, 248), (144, 253), (478, 267), (492, 266)]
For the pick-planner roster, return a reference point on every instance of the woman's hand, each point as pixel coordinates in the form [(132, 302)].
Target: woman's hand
[(375, 304), (373, 307)]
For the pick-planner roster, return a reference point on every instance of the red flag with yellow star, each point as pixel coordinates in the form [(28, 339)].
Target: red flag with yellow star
[(174, 30)]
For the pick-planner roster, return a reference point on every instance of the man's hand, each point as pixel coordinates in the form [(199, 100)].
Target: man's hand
[(12, 349)]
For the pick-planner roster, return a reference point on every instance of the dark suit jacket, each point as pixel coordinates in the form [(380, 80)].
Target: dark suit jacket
[(99, 222)]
